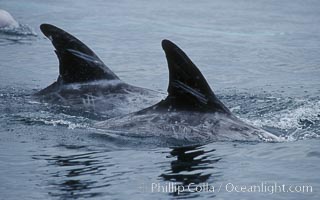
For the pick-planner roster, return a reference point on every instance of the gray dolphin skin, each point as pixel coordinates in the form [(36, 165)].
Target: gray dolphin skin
[(6, 20), (86, 86), (191, 112)]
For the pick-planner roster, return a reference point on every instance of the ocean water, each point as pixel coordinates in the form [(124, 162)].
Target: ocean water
[(260, 57)]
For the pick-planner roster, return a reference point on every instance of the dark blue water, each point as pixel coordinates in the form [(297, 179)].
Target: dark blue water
[(260, 57)]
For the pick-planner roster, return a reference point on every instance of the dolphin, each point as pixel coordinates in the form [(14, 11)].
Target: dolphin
[(6, 20), (190, 113), (86, 86)]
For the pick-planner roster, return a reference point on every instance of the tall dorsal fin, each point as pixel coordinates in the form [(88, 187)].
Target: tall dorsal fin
[(188, 89), (77, 63)]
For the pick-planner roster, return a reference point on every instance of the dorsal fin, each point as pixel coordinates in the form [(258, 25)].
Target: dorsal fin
[(188, 89), (77, 63)]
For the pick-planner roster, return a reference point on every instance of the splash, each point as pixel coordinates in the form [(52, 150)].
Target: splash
[(20, 30), (298, 119), (17, 34), (46, 118)]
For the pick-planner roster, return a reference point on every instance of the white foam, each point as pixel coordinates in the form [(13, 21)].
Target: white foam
[(291, 120)]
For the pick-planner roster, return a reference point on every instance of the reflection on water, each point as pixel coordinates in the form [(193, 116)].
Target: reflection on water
[(74, 172), (76, 175), (193, 166)]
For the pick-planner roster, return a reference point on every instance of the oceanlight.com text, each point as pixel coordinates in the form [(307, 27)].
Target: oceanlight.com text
[(262, 187)]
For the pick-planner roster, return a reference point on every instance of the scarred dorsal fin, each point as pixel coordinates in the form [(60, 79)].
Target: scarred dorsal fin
[(77, 63), (188, 89)]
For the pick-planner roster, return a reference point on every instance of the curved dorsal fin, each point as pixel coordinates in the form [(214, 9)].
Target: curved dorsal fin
[(188, 89), (77, 63)]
